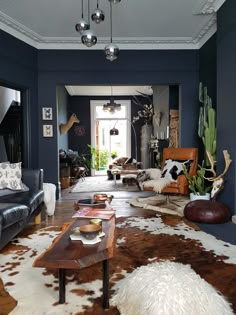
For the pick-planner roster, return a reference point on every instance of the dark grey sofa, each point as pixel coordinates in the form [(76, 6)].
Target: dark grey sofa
[(18, 208)]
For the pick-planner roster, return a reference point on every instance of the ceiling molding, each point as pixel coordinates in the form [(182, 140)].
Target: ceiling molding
[(206, 32), (23, 33), (208, 6)]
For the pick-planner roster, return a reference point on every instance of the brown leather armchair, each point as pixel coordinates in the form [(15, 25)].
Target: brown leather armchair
[(179, 154)]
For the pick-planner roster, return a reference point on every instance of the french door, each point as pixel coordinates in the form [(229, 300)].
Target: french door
[(109, 146)]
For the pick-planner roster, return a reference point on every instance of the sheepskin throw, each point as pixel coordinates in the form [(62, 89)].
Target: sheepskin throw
[(167, 288)]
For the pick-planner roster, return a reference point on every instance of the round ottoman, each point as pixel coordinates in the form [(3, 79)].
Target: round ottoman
[(207, 211)]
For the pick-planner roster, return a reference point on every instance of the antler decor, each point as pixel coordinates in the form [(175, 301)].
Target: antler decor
[(65, 127), (218, 181)]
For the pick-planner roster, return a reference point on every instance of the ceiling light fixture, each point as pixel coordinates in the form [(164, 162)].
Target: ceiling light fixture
[(98, 15), (111, 50), (112, 106), (88, 37), (82, 25)]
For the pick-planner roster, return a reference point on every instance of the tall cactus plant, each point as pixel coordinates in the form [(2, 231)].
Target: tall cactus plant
[(207, 123)]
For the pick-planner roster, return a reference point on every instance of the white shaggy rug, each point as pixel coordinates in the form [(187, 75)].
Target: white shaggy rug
[(168, 288), (101, 184)]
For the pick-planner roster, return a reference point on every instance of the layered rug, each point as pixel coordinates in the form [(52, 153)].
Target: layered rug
[(140, 241), (171, 204), (101, 184)]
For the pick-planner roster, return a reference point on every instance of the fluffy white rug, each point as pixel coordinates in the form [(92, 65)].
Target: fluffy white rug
[(167, 288), (101, 184)]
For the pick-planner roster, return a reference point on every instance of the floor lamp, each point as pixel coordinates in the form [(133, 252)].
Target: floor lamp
[(115, 132)]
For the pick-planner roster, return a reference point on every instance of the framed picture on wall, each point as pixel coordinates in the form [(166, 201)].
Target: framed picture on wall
[(48, 130), (47, 113)]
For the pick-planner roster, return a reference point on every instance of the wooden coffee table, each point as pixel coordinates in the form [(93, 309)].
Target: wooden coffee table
[(67, 254)]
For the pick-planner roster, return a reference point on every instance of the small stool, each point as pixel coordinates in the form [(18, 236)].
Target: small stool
[(130, 180), (49, 198)]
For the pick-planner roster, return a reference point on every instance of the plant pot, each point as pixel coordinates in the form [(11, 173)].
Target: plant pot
[(199, 197)]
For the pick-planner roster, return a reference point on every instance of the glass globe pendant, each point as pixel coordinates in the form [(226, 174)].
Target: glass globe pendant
[(89, 38), (83, 25), (111, 50), (98, 15)]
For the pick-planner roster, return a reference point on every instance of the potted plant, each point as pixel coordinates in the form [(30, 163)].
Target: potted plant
[(198, 184), (113, 154)]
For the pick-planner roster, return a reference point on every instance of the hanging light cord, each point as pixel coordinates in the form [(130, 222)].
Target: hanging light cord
[(97, 4), (88, 11), (82, 5), (111, 19)]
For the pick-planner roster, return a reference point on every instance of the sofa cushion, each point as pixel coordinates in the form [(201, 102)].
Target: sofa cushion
[(11, 213), (29, 199), (7, 191)]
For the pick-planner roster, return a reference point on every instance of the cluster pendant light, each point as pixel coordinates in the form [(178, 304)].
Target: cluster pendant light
[(112, 106), (88, 37)]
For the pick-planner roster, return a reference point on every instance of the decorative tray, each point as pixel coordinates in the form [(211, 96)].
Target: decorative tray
[(90, 203)]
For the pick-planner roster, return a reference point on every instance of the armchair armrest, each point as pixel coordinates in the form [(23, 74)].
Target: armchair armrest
[(183, 184), (33, 178)]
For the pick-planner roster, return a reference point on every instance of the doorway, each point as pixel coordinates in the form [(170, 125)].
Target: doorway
[(107, 147)]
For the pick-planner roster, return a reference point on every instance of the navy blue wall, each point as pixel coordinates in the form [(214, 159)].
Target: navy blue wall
[(208, 68), (226, 95), (18, 69), (132, 67)]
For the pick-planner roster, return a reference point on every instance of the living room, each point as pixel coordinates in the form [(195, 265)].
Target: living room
[(39, 74)]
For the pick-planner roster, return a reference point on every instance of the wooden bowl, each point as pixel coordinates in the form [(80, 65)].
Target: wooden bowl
[(100, 197), (90, 231)]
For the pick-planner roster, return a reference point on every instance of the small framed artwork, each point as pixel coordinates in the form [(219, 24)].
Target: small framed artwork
[(47, 113), (48, 130)]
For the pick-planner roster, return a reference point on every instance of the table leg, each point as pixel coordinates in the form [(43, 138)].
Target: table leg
[(62, 286), (114, 178), (105, 302)]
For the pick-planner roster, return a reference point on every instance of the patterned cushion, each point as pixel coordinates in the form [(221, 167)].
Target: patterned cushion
[(10, 176), (172, 169)]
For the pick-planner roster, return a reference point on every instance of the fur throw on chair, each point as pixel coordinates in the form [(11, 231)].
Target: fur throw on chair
[(168, 288), (152, 177)]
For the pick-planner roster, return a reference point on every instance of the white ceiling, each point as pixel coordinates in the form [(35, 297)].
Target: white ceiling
[(137, 24), (108, 90)]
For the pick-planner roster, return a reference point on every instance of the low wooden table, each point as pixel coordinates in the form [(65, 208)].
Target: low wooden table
[(116, 172), (67, 254)]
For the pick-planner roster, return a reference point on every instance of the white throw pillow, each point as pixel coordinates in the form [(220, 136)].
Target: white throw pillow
[(10, 176)]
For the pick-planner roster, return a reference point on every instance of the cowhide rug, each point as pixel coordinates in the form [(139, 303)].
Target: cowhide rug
[(170, 204), (140, 241)]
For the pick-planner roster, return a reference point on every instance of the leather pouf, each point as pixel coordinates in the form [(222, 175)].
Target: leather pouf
[(207, 211)]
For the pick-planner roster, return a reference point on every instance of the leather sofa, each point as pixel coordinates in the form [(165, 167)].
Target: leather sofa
[(18, 208)]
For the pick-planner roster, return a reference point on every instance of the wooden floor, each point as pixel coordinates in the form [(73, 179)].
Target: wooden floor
[(64, 206)]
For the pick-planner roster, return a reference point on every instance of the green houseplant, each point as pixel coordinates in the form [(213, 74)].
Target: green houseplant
[(198, 184), (99, 158)]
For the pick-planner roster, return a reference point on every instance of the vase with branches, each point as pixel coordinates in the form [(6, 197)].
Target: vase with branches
[(147, 111)]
